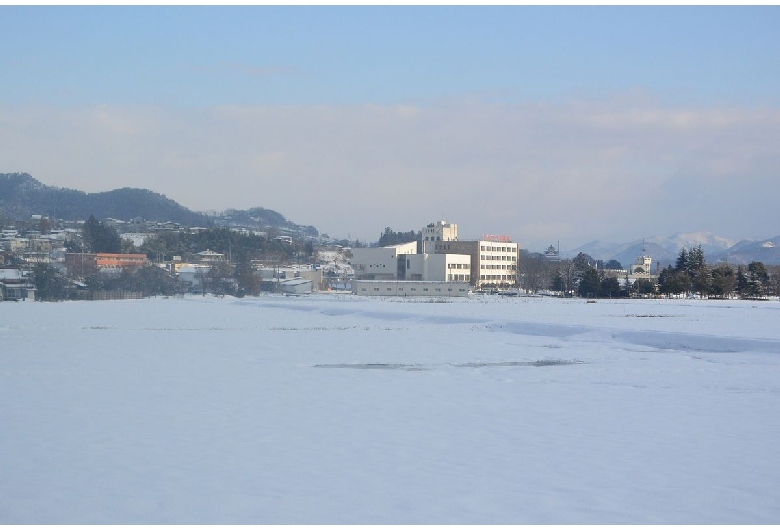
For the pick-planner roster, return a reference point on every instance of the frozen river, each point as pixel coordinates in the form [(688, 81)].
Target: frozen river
[(339, 409)]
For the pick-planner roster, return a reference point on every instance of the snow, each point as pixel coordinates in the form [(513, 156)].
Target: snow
[(339, 409)]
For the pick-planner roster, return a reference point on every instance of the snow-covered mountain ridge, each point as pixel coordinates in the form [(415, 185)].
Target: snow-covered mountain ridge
[(665, 249)]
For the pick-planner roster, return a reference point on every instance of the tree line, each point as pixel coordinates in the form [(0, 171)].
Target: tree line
[(692, 275), (390, 237)]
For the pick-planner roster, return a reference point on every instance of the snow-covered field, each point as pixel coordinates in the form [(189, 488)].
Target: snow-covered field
[(339, 409)]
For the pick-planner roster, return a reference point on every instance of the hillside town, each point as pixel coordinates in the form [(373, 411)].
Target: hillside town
[(45, 259)]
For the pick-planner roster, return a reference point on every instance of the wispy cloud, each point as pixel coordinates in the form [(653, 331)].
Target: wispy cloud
[(540, 172)]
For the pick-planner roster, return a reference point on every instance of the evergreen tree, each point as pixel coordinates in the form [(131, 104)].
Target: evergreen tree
[(49, 284), (643, 286), (558, 284), (582, 262), (610, 288), (682, 261), (99, 237), (389, 237), (758, 279), (695, 261), (590, 283), (743, 286), (701, 280), (673, 281), (723, 281)]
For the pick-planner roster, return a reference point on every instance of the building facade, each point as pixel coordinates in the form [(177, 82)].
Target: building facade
[(381, 263), (493, 261), (437, 232), (83, 264), (438, 267)]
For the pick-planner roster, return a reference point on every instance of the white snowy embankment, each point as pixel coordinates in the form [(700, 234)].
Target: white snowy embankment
[(337, 409)]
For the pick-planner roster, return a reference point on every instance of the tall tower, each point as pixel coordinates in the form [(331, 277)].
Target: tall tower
[(643, 262)]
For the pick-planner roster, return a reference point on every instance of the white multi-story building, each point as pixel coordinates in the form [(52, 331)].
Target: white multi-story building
[(401, 262), (491, 261)]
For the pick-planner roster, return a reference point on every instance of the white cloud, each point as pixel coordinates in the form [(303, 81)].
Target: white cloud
[(613, 169)]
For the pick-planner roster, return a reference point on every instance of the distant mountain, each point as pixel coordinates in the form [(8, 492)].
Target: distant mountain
[(710, 243), (22, 196), (766, 251), (661, 257), (664, 250)]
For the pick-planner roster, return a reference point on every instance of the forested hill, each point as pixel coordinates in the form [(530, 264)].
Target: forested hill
[(22, 196)]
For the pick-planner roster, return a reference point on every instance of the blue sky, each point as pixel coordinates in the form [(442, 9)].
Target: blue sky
[(501, 95), (347, 55)]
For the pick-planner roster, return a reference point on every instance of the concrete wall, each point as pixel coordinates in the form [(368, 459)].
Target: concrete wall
[(380, 263), (409, 288), (438, 267)]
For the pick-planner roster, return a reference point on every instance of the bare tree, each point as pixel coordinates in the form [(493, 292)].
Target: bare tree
[(568, 274), (533, 272)]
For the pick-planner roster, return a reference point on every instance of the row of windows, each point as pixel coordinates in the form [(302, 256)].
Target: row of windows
[(496, 277), (497, 249), (458, 277), (425, 289), (124, 260), (458, 266), (497, 267), (488, 257)]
